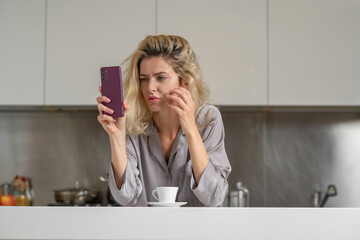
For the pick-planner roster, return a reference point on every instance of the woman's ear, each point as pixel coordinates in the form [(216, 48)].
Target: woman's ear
[(184, 84)]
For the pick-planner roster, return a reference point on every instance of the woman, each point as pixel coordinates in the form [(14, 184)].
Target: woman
[(169, 136)]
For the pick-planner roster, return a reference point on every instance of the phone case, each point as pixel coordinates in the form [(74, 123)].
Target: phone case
[(111, 84)]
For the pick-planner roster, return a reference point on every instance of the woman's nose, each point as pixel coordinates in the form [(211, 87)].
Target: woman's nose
[(152, 85)]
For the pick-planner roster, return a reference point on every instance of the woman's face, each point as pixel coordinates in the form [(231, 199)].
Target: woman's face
[(157, 78)]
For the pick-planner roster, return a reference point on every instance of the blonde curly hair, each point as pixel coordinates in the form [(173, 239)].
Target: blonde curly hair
[(177, 51)]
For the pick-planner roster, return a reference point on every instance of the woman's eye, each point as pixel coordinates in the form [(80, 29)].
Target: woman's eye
[(162, 78), (143, 79)]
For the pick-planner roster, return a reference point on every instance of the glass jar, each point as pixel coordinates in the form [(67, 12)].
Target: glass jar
[(7, 197), (23, 193), (240, 196), (22, 198)]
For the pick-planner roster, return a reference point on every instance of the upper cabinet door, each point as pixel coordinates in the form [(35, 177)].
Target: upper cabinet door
[(314, 51), (229, 38), (22, 36), (83, 36)]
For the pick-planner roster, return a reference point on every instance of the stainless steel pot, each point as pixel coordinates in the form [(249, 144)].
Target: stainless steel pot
[(75, 195)]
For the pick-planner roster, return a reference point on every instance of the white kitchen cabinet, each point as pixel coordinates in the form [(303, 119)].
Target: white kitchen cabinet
[(314, 52), (84, 35), (229, 38), (22, 36)]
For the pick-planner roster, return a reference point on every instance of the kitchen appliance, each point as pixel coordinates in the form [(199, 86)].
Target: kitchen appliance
[(239, 197), (77, 195)]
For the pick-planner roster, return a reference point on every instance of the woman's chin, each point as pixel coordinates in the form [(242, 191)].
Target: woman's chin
[(154, 109), (158, 108)]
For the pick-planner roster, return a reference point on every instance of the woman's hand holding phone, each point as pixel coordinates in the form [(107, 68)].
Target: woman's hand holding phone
[(112, 125), (115, 127)]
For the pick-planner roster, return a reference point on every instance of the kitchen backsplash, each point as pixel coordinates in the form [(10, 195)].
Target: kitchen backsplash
[(281, 157)]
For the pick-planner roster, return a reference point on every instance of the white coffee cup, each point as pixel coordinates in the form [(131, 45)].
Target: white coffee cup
[(165, 194)]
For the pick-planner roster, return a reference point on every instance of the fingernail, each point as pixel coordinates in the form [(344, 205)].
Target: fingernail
[(112, 111), (108, 99)]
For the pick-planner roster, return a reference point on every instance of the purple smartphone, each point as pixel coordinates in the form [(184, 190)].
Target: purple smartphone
[(111, 85)]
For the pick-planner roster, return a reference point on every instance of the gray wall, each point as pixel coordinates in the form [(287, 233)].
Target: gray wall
[(282, 157)]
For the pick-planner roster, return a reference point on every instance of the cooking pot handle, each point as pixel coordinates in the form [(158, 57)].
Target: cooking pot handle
[(104, 179)]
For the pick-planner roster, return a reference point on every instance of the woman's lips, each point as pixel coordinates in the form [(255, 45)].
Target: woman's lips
[(153, 99)]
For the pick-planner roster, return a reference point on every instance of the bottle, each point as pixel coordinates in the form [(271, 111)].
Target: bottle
[(240, 197)]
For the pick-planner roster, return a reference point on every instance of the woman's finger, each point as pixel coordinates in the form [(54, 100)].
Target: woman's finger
[(126, 106), (187, 93), (102, 99), (181, 93), (100, 112), (176, 109), (103, 108), (103, 118), (188, 98), (109, 118), (174, 99), (100, 90)]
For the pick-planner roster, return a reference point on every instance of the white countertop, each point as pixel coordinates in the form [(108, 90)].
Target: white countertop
[(179, 223)]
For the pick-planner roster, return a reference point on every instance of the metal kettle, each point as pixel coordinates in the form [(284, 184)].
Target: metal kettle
[(240, 196)]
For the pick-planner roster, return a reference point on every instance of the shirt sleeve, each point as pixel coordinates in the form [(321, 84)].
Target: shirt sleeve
[(131, 189), (213, 185)]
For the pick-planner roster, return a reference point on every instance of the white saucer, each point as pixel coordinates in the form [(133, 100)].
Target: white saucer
[(166, 204)]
